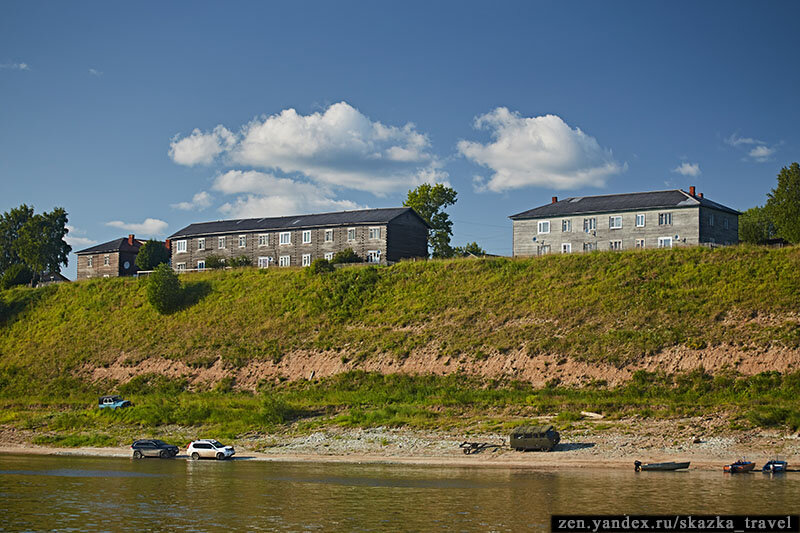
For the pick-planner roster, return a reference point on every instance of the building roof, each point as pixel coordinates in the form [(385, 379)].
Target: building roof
[(117, 245), (339, 218), (635, 201)]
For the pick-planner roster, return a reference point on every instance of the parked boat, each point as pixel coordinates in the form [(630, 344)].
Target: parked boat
[(774, 466), (639, 466), (739, 467)]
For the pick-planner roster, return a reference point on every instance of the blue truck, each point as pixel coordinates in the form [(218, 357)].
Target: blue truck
[(113, 402)]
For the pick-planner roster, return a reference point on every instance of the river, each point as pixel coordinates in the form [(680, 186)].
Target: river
[(67, 493)]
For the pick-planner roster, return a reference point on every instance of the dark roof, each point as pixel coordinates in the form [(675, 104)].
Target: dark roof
[(117, 245), (339, 218), (621, 202), (52, 277)]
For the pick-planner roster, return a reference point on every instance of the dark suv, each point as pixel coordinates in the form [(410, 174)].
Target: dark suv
[(153, 448)]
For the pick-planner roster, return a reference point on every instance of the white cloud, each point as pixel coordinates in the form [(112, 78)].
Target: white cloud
[(74, 239), (200, 201), (761, 153), (755, 149), (265, 195), (339, 147), (538, 151), (200, 148), (688, 169), (15, 66), (151, 226), (95, 72)]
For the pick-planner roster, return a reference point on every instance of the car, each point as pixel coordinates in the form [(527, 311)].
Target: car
[(113, 402), (209, 449), (153, 448)]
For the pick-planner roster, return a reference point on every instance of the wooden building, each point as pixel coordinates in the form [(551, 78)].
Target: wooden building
[(110, 259)]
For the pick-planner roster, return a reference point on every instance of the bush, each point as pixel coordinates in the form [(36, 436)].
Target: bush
[(16, 274), (346, 256), (215, 262), (241, 261), (320, 266), (164, 289), (151, 254)]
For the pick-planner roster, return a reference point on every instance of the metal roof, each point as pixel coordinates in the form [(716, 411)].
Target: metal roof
[(339, 218), (117, 245), (579, 205)]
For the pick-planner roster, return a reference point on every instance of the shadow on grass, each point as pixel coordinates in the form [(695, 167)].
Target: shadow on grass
[(14, 302), (192, 293)]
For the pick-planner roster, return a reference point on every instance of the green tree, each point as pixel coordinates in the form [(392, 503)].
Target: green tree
[(429, 202), (151, 254), (240, 261), (468, 250), (756, 226), (215, 261), (41, 245), (320, 266), (783, 203), (16, 274), (164, 289), (10, 225), (345, 256)]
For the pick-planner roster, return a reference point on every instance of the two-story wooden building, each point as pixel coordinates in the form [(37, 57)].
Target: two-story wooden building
[(380, 236), (110, 259), (657, 219)]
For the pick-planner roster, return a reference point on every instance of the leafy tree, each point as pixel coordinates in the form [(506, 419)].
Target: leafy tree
[(241, 261), (345, 256), (16, 274), (151, 254), (41, 244), (468, 250), (10, 225), (320, 266), (215, 261), (429, 201), (756, 226), (783, 203), (164, 289)]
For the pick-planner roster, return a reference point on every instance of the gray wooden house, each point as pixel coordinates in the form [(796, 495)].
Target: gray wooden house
[(656, 219), (110, 259), (380, 236)]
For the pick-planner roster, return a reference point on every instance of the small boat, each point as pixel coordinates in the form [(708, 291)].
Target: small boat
[(774, 466), (639, 466), (739, 467)]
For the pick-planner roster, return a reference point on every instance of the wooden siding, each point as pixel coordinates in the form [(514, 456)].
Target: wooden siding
[(408, 237)]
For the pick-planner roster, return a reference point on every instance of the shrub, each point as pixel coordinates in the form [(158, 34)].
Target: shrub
[(320, 266), (151, 254), (215, 262), (241, 261), (346, 256), (16, 274), (164, 289)]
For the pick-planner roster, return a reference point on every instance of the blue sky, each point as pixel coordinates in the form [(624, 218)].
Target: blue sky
[(142, 118)]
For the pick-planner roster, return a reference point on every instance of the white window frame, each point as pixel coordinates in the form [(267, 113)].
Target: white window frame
[(307, 236), (373, 256), (665, 242), (566, 225), (328, 235), (640, 220), (329, 256), (180, 267), (106, 260), (589, 246), (639, 243), (566, 248), (264, 261), (89, 262), (285, 260), (306, 260), (222, 243), (544, 249), (589, 224), (201, 265), (242, 241), (374, 233), (285, 238), (615, 245), (353, 232), (201, 243), (615, 222), (263, 239), (725, 223), (541, 225), (665, 219), (180, 247)]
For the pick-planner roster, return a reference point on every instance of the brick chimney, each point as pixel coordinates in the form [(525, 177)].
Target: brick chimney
[(555, 199), (701, 195), (168, 245), (691, 190), (130, 239)]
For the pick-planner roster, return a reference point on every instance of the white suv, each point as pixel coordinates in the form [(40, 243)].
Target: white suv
[(209, 448)]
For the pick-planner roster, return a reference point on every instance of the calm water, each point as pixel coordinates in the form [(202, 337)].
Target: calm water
[(103, 494)]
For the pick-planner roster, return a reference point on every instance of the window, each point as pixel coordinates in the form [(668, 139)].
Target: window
[(242, 241), (201, 243), (181, 266), (589, 246), (329, 256), (589, 224), (544, 249), (285, 261), (286, 238), (665, 242), (640, 243), (106, 260), (665, 219), (328, 235), (566, 248), (725, 223), (374, 256), (374, 233), (566, 225), (263, 262), (640, 220), (89, 262), (307, 237), (306, 260), (180, 247), (201, 265), (615, 245), (544, 226), (351, 234), (711, 220), (615, 222), (221, 243), (263, 239)]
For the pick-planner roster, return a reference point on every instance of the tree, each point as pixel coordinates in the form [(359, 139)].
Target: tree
[(10, 225), (16, 274), (320, 266), (429, 201), (164, 289), (240, 261), (468, 250), (151, 254), (215, 261), (41, 244), (345, 256), (783, 203), (756, 226)]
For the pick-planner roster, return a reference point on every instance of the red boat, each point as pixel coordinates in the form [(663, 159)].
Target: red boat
[(739, 467)]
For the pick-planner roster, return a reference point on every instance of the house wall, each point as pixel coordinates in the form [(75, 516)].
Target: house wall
[(685, 224), (713, 231), (407, 237), (98, 269), (130, 259)]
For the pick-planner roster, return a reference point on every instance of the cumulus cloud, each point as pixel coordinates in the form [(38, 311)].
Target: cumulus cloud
[(199, 201), (265, 195), (340, 147), (688, 169), (15, 66), (75, 240), (755, 149), (537, 151), (95, 72), (151, 226), (201, 148), (761, 153)]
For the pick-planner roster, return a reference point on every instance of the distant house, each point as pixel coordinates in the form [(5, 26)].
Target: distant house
[(49, 278), (380, 236), (110, 259), (657, 219)]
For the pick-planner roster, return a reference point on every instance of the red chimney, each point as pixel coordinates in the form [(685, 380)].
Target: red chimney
[(691, 190), (130, 239), (167, 244), (701, 195), (555, 199)]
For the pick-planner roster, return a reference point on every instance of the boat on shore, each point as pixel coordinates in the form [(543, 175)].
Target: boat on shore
[(739, 467), (775, 466), (662, 467)]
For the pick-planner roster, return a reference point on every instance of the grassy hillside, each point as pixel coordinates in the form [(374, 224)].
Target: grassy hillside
[(604, 306)]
